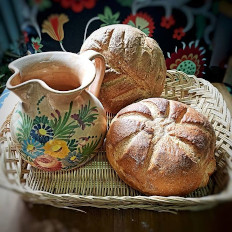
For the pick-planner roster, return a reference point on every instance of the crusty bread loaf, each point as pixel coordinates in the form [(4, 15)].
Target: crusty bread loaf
[(136, 66), (161, 147)]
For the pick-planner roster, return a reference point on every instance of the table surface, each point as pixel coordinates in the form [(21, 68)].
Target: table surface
[(16, 215)]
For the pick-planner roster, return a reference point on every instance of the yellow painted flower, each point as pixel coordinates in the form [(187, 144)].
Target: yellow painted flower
[(54, 26), (56, 148)]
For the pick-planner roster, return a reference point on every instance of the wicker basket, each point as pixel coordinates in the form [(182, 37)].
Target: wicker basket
[(97, 185)]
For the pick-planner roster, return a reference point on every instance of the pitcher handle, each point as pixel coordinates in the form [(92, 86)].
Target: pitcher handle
[(100, 66)]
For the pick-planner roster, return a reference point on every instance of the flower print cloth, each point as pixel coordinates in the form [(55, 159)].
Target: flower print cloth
[(183, 29)]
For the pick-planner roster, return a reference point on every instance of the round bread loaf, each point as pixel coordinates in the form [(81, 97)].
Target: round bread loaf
[(161, 147), (136, 66)]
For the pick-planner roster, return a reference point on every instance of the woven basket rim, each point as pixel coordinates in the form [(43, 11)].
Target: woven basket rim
[(185, 202)]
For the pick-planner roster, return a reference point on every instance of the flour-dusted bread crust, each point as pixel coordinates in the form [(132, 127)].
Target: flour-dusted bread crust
[(161, 147), (136, 66)]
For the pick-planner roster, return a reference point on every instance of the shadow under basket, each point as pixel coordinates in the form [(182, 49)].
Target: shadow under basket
[(97, 185)]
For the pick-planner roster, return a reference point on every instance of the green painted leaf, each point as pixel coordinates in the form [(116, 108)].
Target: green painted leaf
[(25, 125), (89, 148), (72, 145), (43, 119), (87, 115), (63, 129)]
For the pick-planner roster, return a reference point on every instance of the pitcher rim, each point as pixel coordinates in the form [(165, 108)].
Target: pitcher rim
[(16, 71)]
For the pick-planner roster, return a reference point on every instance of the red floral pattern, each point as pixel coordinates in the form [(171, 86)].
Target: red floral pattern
[(36, 44), (145, 24), (47, 163), (168, 33), (167, 22), (25, 36), (189, 59), (77, 5), (178, 33)]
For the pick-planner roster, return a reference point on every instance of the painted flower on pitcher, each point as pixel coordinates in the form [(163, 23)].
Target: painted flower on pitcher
[(32, 148), (178, 33), (47, 142), (189, 59), (42, 132), (83, 153), (77, 5), (36, 44), (56, 148), (53, 26), (167, 22), (47, 163), (72, 160), (142, 21)]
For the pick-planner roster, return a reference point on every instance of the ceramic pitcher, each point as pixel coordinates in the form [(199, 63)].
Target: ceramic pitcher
[(59, 124)]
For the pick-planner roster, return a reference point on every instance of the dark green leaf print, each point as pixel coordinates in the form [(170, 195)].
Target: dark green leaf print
[(62, 129), (88, 149), (72, 145), (86, 116), (25, 125)]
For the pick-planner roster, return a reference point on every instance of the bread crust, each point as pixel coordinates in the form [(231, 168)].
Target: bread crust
[(136, 65), (161, 147)]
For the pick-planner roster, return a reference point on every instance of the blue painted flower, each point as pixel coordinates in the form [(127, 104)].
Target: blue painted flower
[(32, 148), (72, 159), (42, 133)]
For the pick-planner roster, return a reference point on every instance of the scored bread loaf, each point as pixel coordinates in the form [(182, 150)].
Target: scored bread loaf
[(136, 66), (161, 147)]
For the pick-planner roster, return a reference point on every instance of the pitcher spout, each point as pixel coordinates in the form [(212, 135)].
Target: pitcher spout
[(56, 73)]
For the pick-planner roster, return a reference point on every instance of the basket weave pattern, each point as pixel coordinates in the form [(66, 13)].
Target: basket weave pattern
[(97, 185)]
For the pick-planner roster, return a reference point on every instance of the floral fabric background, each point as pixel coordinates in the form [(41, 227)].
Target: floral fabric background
[(184, 29)]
